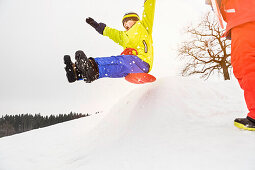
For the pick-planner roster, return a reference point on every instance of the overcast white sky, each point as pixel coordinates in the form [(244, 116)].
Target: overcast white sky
[(36, 34)]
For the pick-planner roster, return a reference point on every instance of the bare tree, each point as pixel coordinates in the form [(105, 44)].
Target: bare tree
[(206, 51)]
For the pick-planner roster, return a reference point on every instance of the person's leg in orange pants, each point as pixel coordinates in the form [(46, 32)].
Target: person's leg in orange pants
[(243, 62)]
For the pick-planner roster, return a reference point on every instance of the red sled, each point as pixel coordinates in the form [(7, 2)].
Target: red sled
[(140, 78)]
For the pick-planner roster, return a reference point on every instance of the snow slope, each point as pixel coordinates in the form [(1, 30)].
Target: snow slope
[(170, 124)]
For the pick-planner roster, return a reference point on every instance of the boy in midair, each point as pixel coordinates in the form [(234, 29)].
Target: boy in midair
[(137, 55)]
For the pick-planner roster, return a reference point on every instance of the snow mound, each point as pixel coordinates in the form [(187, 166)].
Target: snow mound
[(171, 124)]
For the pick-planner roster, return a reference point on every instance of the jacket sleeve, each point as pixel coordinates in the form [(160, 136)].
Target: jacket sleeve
[(113, 34), (148, 14)]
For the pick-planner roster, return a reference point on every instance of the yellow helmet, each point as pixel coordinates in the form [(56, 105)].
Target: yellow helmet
[(130, 16)]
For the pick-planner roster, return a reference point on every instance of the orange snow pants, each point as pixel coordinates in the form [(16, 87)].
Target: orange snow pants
[(243, 61)]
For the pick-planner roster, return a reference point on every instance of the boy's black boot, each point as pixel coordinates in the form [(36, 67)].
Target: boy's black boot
[(72, 73), (87, 66), (245, 123)]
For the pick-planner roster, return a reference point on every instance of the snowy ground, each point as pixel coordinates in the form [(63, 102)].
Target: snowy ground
[(171, 124)]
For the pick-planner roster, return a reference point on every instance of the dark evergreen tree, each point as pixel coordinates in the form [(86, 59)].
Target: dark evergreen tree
[(13, 124)]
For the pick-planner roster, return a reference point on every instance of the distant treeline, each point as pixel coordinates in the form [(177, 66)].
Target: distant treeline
[(13, 124)]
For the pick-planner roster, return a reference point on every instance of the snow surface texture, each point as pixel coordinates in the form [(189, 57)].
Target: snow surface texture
[(170, 124)]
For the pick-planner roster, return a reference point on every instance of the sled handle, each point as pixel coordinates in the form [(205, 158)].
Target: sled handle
[(130, 51)]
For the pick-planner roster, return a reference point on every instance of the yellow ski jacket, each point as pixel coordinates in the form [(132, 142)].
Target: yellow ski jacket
[(139, 36)]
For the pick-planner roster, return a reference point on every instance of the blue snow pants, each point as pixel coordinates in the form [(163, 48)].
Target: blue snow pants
[(120, 66)]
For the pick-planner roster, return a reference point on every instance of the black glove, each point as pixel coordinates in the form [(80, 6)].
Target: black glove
[(92, 22), (98, 26)]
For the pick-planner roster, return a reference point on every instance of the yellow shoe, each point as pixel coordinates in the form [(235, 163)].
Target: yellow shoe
[(245, 123)]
